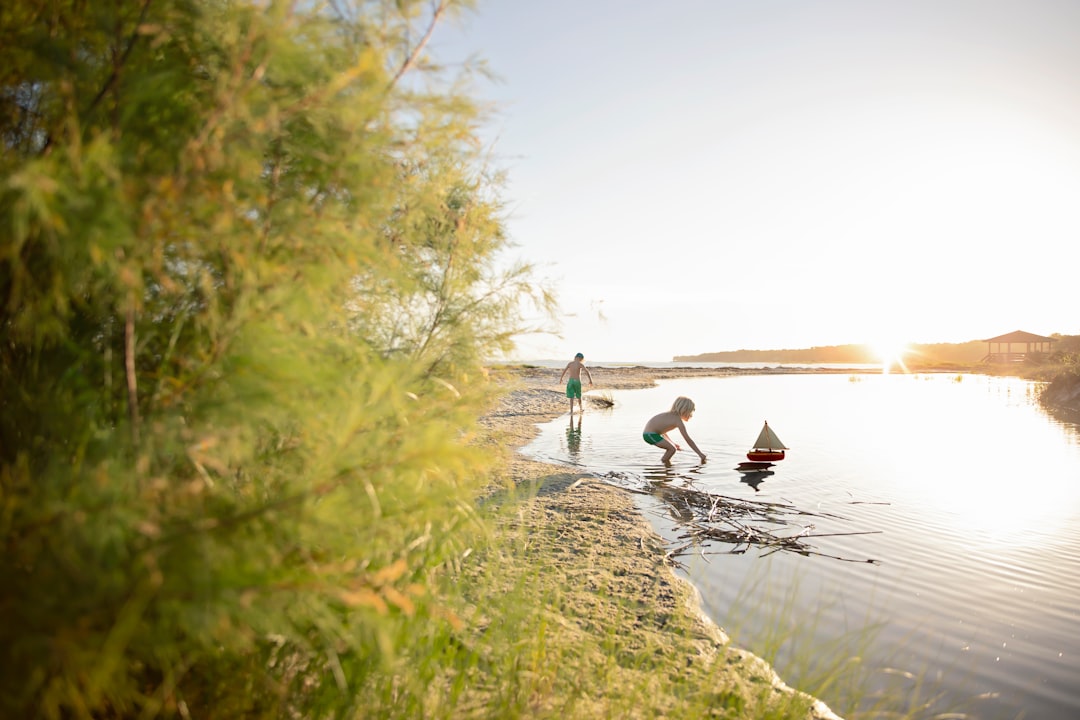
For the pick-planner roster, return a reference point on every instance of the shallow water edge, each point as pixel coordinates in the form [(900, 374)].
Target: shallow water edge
[(537, 398)]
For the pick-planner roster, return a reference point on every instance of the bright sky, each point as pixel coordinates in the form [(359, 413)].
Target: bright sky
[(707, 175)]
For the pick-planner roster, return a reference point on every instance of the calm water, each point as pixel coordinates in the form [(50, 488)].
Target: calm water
[(971, 494)]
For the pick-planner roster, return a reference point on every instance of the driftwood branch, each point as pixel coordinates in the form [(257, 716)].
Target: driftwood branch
[(706, 518)]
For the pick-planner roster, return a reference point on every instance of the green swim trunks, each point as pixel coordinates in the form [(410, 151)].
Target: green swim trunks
[(573, 388), (652, 438)]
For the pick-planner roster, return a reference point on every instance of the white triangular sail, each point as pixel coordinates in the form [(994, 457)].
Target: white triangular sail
[(767, 440)]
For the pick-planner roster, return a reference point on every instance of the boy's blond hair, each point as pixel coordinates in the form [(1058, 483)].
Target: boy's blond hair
[(683, 406)]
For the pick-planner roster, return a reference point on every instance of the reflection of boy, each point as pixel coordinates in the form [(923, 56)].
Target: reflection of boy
[(573, 385), (573, 436)]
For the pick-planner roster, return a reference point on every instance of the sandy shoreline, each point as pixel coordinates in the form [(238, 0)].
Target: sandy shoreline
[(603, 537)]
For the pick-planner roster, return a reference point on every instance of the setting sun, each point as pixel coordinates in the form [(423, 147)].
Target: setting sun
[(890, 352)]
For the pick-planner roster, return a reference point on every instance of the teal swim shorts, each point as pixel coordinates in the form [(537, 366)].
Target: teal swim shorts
[(652, 438), (573, 388)]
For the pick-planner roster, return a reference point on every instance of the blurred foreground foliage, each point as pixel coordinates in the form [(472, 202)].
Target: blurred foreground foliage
[(250, 263)]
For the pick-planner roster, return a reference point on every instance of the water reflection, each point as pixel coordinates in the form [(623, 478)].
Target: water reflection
[(754, 478), (660, 474), (573, 437), (654, 474)]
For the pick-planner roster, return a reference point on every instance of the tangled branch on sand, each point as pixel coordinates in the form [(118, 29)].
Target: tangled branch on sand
[(705, 516)]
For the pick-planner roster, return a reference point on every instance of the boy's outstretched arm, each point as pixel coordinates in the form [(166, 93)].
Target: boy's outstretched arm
[(691, 443)]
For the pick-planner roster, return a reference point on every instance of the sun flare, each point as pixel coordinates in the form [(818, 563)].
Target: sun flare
[(890, 353)]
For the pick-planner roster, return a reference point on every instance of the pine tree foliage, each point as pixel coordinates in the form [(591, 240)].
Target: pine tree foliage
[(250, 263)]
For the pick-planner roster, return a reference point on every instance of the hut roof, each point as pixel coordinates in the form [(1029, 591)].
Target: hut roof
[(1019, 336)]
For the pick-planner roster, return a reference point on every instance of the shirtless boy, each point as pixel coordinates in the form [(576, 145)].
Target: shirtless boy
[(656, 430), (573, 385)]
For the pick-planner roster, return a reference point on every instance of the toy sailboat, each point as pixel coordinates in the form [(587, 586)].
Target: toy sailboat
[(767, 447)]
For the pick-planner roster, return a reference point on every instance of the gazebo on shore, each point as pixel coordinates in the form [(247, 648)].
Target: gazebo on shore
[(1033, 345)]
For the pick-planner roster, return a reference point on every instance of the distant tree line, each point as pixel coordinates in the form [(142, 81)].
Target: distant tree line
[(940, 352), (920, 354)]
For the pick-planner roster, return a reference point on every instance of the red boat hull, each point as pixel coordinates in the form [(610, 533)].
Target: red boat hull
[(765, 455)]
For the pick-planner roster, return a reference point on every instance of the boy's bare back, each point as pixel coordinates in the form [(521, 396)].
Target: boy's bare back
[(664, 422)]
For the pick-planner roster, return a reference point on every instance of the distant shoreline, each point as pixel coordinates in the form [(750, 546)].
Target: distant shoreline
[(968, 354), (1060, 394), (663, 364), (971, 351), (661, 370)]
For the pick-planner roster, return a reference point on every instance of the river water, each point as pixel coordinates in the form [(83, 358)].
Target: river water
[(948, 580)]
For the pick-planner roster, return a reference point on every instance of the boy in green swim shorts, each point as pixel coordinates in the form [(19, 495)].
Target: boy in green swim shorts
[(656, 430), (573, 385)]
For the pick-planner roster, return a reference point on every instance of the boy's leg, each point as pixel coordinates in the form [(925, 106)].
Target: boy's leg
[(669, 451)]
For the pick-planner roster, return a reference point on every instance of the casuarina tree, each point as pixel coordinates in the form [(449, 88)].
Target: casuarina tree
[(251, 264)]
